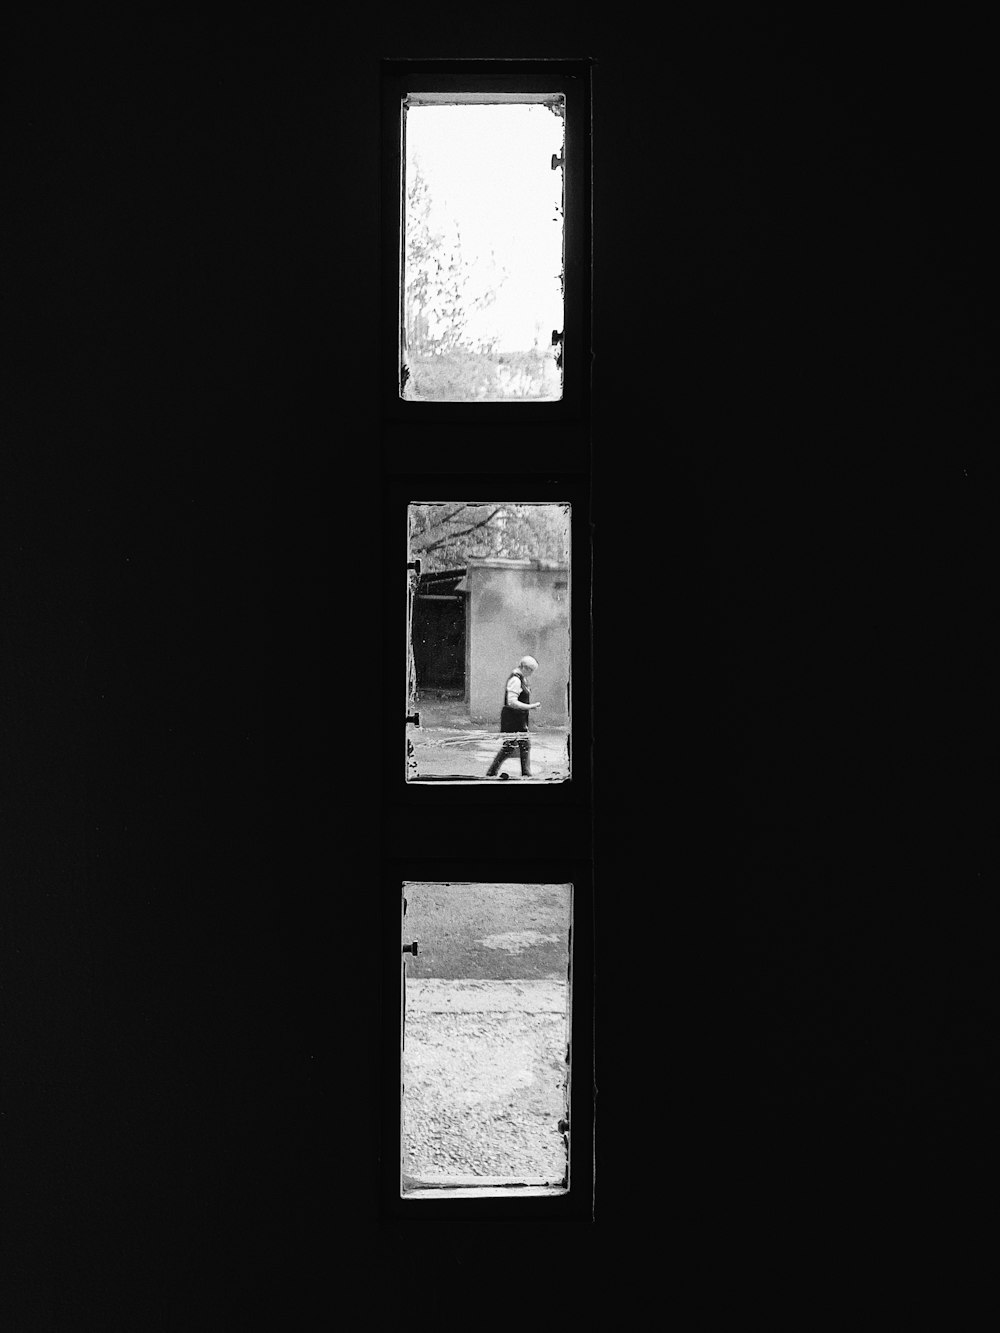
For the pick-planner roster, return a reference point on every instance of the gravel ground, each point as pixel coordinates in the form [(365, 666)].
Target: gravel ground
[(484, 1074)]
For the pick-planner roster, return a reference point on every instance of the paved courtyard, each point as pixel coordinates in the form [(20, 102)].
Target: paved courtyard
[(448, 744)]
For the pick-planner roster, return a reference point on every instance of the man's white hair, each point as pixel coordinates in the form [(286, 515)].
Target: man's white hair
[(528, 662)]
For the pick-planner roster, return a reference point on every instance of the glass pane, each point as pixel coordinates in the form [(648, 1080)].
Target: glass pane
[(486, 1035), (488, 642), (482, 308)]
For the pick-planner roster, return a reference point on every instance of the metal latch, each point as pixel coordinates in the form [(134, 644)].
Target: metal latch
[(411, 948)]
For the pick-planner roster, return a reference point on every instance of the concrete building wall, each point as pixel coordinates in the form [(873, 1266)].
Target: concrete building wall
[(516, 607)]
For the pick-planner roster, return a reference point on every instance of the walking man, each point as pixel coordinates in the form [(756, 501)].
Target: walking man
[(514, 714)]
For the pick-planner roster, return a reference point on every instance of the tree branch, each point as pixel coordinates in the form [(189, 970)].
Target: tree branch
[(442, 521), (452, 536)]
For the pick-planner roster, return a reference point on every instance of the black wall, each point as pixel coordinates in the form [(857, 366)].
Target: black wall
[(791, 284)]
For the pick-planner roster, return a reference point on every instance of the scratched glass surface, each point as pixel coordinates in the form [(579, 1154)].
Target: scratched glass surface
[(485, 1058), (482, 284), (488, 642)]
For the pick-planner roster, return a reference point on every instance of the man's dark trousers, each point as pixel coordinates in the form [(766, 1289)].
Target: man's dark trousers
[(517, 745)]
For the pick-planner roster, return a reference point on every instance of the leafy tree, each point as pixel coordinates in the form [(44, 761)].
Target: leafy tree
[(442, 359), (446, 536), (442, 288)]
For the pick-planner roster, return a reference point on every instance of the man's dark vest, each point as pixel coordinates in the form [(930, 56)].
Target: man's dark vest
[(515, 719)]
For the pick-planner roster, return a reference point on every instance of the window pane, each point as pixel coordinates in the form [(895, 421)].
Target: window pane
[(486, 1037), (488, 642), (482, 308)]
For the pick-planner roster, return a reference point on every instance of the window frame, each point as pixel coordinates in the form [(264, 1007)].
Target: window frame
[(488, 831), (569, 77), (572, 1205), (572, 795)]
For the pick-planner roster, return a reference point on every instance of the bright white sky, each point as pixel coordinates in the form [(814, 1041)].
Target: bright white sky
[(489, 168)]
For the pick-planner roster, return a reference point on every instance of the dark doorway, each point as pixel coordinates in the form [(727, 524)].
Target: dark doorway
[(439, 634)]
